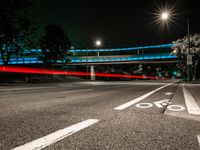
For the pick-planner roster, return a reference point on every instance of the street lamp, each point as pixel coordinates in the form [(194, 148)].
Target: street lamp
[(98, 43), (165, 16)]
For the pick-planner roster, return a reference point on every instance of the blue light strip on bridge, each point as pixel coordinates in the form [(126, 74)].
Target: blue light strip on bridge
[(34, 60), (121, 49), (33, 51)]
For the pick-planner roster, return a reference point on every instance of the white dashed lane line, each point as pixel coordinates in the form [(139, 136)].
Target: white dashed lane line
[(64, 85), (132, 102), (73, 91), (56, 136)]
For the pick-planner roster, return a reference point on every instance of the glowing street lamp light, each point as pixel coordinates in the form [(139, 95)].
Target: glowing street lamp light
[(165, 16), (98, 43)]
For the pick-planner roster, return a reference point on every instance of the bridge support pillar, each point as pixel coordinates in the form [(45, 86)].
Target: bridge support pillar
[(92, 73)]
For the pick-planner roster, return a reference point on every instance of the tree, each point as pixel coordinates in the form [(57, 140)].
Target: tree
[(54, 44), (181, 49), (17, 28)]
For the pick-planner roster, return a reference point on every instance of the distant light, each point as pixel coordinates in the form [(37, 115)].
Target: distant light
[(174, 73), (174, 51), (72, 47), (164, 15), (98, 43)]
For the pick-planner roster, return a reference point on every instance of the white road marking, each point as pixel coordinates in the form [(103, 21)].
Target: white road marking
[(64, 85), (132, 102), (169, 93), (144, 105), (160, 104), (56, 136), (25, 88), (91, 83), (192, 106), (198, 137), (175, 108), (84, 90)]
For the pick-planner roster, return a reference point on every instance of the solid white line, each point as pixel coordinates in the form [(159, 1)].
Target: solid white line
[(84, 90), (192, 106), (56, 136), (198, 137), (28, 88), (64, 85), (132, 102)]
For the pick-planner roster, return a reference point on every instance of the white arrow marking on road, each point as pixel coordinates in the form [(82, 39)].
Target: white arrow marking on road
[(190, 102), (169, 93), (160, 104), (56, 136), (130, 103)]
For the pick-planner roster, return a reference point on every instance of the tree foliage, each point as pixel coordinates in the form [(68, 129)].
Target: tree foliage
[(183, 47), (17, 26), (54, 44)]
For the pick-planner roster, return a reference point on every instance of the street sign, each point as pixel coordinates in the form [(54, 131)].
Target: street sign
[(189, 59)]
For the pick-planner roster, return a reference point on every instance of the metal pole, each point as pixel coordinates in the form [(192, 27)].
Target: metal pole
[(189, 65), (87, 64)]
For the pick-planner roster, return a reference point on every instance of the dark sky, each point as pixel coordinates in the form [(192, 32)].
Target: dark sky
[(119, 23)]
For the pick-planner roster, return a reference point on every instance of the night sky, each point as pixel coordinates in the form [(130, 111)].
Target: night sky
[(120, 24)]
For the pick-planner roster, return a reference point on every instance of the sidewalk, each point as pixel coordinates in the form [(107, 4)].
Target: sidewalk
[(185, 102)]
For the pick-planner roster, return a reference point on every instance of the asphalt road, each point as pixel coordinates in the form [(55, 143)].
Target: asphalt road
[(94, 116)]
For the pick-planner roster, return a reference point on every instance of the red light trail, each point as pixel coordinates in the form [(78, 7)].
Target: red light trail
[(14, 69)]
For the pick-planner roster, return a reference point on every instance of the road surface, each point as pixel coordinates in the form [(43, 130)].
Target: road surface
[(138, 115)]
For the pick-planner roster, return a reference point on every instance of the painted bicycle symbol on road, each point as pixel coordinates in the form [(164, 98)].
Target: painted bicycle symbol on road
[(161, 104)]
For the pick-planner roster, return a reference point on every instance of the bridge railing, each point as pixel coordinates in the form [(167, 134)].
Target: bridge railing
[(121, 49), (130, 58)]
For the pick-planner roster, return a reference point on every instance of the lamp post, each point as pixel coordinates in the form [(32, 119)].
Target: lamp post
[(166, 16), (189, 56)]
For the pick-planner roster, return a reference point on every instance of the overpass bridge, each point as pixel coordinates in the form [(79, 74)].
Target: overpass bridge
[(33, 56)]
